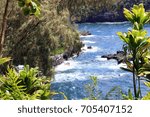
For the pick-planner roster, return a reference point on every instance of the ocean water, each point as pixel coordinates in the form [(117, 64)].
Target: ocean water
[(73, 75)]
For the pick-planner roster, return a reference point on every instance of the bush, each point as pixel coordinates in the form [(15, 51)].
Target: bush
[(137, 45), (24, 85)]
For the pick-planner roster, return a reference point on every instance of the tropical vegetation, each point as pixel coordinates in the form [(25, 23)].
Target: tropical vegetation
[(136, 46), (33, 32)]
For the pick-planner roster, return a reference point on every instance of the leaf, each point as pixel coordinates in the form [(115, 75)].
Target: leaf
[(37, 13), (128, 15), (4, 60), (130, 95), (27, 2), (123, 37), (21, 3), (147, 84), (147, 96), (26, 11)]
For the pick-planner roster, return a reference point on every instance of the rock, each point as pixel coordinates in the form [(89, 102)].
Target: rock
[(85, 33), (89, 47), (68, 64), (57, 59), (119, 56), (65, 56)]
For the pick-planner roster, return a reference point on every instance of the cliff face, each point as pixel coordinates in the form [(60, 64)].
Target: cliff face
[(105, 11)]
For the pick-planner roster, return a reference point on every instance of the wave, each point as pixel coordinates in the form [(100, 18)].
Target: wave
[(99, 58), (88, 36), (86, 41), (125, 22), (88, 23), (66, 65), (93, 49)]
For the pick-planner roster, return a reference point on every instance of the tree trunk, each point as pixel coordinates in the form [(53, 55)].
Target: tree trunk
[(4, 26)]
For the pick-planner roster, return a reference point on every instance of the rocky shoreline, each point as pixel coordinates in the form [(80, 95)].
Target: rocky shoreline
[(113, 14), (119, 56)]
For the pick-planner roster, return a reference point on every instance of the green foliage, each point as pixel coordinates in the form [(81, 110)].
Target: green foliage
[(114, 92), (30, 7), (137, 45), (4, 60), (82, 9), (60, 93), (92, 89), (129, 96), (58, 51), (137, 16), (94, 93), (25, 85), (34, 41), (147, 96)]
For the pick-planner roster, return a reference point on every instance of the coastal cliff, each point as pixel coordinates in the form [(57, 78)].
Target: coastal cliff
[(103, 10)]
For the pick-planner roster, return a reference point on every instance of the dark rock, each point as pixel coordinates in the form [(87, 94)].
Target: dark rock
[(89, 47), (119, 56), (57, 59), (65, 56), (85, 33)]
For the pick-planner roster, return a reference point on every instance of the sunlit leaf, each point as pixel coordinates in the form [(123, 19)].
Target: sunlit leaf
[(4, 60)]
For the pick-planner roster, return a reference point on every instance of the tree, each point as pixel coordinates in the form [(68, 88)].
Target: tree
[(4, 26), (29, 7)]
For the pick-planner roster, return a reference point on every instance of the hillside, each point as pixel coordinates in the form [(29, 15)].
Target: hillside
[(101, 10), (46, 40), (36, 41)]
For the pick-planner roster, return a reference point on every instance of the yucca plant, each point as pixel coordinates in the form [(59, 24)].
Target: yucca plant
[(137, 44)]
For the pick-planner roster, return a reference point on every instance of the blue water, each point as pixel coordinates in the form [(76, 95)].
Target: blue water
[(72, 76)]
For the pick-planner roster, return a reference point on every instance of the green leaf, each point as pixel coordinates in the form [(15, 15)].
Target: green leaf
[(21, 3), (147, 84), (130, 95), (26, 11), (27, 2), (4, 60)]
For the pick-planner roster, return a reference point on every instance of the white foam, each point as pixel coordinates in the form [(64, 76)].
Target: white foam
[(122, 65), (70, 64), (99, 58), (88, 36), (86, 41), (93, 49), (110, 66), (63, 77), (112, 22)]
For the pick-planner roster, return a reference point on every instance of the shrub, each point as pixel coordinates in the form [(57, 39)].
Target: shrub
[(24, 85), (136, 45)]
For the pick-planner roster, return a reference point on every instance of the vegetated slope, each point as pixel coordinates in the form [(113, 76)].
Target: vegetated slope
[(34, 41), (100, 10)]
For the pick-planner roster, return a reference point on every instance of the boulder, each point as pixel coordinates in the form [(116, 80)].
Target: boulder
[(89, 47), (119, 56), (85, 33)]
